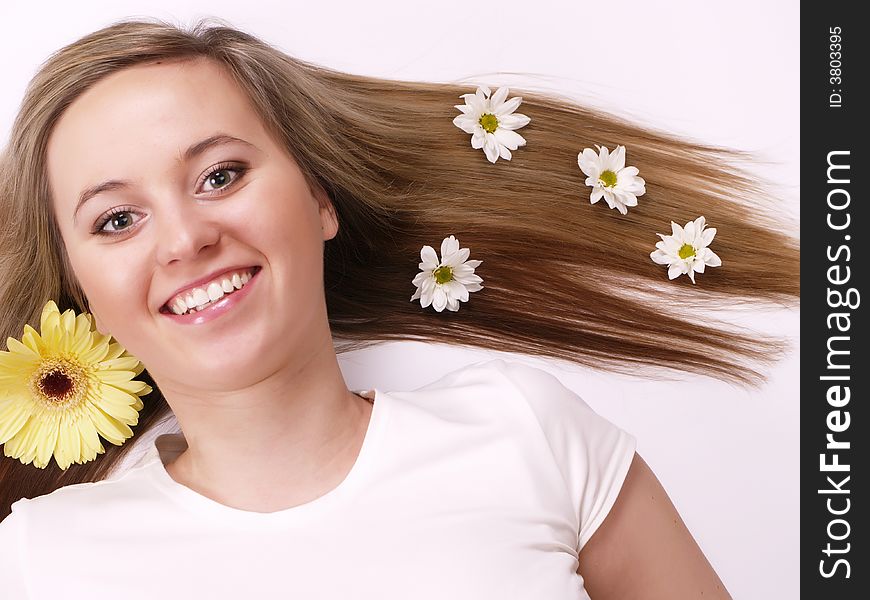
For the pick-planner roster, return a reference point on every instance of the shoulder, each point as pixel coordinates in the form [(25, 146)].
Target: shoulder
[(550, 400), (592, 453), (523, 393), (491, 374), (77, 506)]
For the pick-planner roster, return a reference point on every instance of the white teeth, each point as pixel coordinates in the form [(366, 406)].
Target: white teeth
[(179, 307), (215, 292), (200, 296)]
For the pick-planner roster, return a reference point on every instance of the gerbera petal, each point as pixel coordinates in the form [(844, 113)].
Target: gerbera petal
[(13, 416), (50, 315), (46, 443), (68, 322), (23, 445), (32, 339), (89, 435), (133, 387), (123, 413), (96, 353), (115, 351), (21, 349), (13, 365), (111, 429), (68, 448), (122, 363)]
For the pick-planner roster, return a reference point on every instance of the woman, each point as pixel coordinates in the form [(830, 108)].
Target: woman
[(148, 161)]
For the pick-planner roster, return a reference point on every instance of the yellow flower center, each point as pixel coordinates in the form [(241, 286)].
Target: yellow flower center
[(686, 250), (443, 274), (608, 178), (60, 383), (489, 122)]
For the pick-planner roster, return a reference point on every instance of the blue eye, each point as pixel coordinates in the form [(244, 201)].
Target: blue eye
[(216, 177)]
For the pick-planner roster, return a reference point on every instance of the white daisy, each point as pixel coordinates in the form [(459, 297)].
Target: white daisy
[(685, 250), (491, 122), (609, 177), (446, 282)]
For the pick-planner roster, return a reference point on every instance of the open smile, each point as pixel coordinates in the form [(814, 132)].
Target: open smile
[(214, 309)]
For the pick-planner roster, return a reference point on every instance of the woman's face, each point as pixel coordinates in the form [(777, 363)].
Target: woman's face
[(183, 212)]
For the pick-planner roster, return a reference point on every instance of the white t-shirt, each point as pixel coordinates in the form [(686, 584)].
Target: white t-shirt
[(483, 484)]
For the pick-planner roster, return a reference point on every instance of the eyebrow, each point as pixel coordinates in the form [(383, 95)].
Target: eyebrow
[(219, 139)]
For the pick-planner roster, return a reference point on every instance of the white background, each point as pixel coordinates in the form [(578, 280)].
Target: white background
[(725, 74)]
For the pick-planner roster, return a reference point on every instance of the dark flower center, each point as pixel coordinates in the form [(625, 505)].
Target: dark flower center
[(56, 385)]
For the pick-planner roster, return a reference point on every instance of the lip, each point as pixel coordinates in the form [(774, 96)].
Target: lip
[(206, 279), (213, 311)]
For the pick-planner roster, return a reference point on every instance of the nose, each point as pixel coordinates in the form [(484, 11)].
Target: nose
[(185, 231)]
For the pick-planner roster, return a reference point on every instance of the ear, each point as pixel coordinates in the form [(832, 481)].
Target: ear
[(328, 215)]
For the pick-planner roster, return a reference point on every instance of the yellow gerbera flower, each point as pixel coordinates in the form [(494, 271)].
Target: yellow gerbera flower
[(61, 387)]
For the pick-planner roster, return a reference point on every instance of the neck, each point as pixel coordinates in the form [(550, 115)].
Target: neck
[(281, 442)]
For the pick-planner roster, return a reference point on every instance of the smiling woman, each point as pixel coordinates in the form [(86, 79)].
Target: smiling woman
[(223, 210)]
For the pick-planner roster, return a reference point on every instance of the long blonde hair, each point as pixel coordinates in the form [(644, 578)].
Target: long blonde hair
[(563, 278)]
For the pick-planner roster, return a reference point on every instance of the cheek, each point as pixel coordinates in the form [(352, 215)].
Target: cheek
[(286, 229), (286, 217), (112, 290)]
